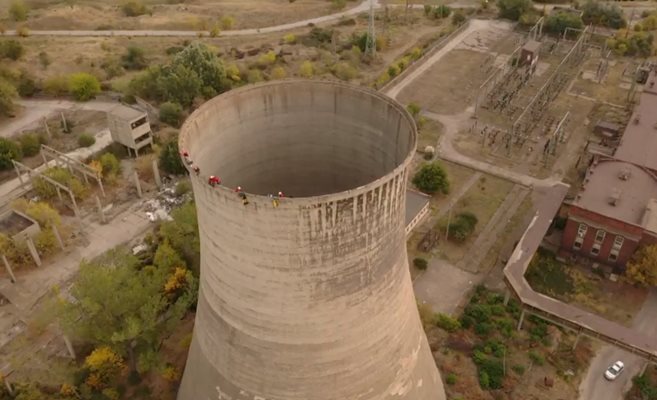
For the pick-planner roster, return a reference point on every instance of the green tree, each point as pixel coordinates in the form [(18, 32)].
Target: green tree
[(179, 84), (432, 178), (11, 49), (170, 160), (642, 269), (86, 140), (83, 86), (7, 96), (171, 114), (307, 69), (118, 305), (166, 258), (134, 58), (513, 9), (557, 23), (9, 150), (182, 234), (208, 67), (18, 10), (110, 164), (597, 13)]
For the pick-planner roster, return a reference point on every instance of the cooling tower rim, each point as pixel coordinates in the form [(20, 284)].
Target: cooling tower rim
[(186, 131)]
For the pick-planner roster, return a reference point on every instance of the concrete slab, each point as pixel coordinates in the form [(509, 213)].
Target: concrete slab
[(443, 286)]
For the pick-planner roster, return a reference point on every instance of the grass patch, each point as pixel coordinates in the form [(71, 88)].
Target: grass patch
[(547, 275)]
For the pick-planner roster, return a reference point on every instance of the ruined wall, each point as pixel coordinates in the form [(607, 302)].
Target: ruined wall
[(310, 299)]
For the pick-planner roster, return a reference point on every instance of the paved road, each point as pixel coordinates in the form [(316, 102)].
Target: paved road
[(362, 7), (594, 386)]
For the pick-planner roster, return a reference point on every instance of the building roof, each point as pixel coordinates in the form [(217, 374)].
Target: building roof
[(415, 202), (639, 142), (532, 45), (649, 221), (607, 193), (127, 113)]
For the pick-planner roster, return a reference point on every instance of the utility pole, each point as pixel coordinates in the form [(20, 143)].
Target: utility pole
[(370, 43), (449, 221)]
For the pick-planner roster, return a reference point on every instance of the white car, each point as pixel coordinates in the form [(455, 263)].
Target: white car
[(614, 370)]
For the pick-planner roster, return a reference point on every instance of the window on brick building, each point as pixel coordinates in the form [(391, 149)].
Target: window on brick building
[(595, 249), (616, 247), (600, 236), (581, 232)]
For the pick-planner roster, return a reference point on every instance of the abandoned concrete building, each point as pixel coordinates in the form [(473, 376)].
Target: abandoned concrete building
[(130, 127), (615, 210)]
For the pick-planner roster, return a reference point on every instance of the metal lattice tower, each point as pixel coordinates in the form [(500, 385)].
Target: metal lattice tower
[(370, 44)]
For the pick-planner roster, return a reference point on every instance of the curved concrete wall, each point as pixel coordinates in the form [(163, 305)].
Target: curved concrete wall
[(310, 300)]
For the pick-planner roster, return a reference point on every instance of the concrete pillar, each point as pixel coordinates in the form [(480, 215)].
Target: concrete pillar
[(18, 174), (101, 213), (10, 389), (100, 185), (576, 340), (522, 318), (64, 122), (43, 157), (45, 125), (507, 296), (55, 232), (33, 252), (135, 178), (156, 174), (76, 210), (12, 277), (69, 346)]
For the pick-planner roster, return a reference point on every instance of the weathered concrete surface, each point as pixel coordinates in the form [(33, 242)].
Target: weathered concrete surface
[(310, 300)]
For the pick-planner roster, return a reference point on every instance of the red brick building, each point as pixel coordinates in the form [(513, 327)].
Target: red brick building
[(615, 210)]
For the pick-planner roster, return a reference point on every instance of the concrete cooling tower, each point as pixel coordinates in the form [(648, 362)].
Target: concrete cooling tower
[(305, 289)]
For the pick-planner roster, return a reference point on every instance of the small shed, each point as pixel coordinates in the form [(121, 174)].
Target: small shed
[(607, 129), (529, 53), (130, 127), (18, 226)]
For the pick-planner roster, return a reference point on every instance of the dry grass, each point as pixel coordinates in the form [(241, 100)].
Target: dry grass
[(482, 199), (196, 15)]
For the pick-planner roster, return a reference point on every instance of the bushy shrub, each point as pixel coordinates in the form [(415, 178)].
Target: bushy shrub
[(278, 73), (518, 369), (133, 8), (171, 114), (560, 21), (307, 69), (56, 85), (134, 58), (451, 378), (170, 161), (18, 10), (462, 226), (458, 18), (447, 323), (536, 357), (30, 144), (11, 49), (86, 140), (598, 13), (9, 150), (432, 178), (513, 9), (441, 11), (83, 86), (254, 76), (420, 263), (110, 164), (267, 59), (227, 22), (345, 71)]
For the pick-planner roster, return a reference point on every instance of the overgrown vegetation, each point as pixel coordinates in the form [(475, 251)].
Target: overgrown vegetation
[(195, 72), (513, 9), (432, 178), (642, 269), (9, 150), (462, 226), (598, 13), (558, 22), (547, 275), (170, 161)]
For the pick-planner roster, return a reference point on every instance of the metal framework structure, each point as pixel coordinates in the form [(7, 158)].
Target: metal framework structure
[(70, 163), (536, 107)]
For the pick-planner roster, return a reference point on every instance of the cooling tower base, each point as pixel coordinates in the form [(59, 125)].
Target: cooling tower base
[(201, 381)]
